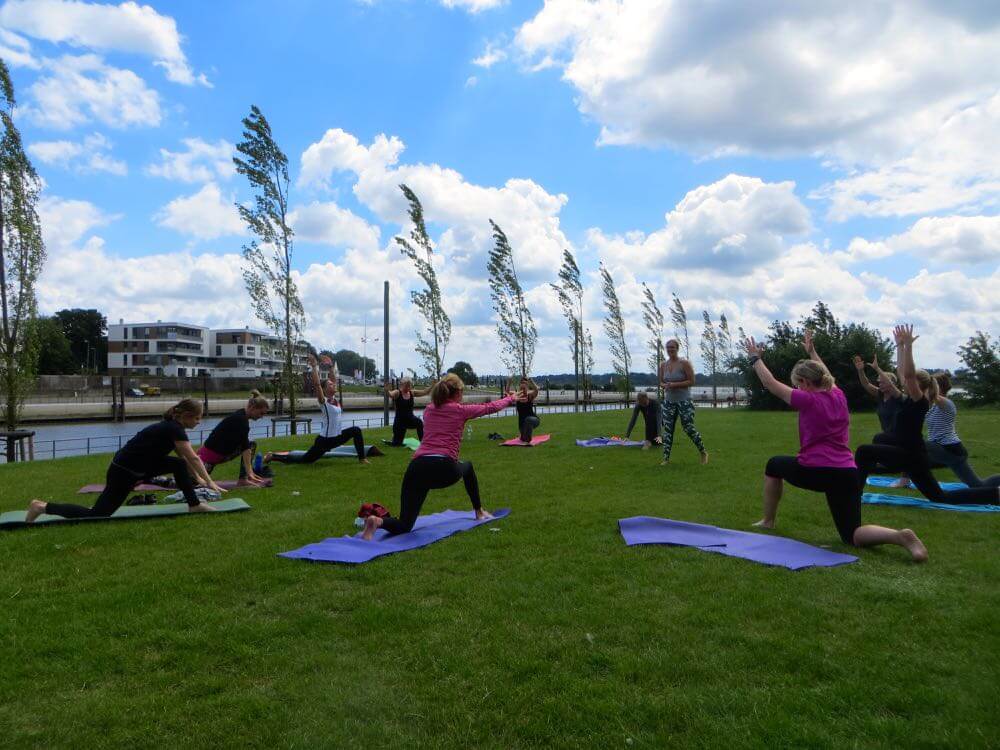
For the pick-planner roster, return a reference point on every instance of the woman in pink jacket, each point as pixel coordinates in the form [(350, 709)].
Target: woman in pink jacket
[(435, 463)]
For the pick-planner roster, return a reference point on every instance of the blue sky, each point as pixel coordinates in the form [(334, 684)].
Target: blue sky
[(750, 160)]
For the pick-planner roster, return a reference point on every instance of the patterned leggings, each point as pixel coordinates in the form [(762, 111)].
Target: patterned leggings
[(669, 412)]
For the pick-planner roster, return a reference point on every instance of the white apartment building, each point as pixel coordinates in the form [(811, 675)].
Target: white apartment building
[(176, 349)]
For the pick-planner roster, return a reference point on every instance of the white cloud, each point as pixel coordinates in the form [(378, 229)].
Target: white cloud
[(330, 224), (730, 226), (201, 162), (492, 55), (937, 240), (77, 90), (93, 154), (473, 6), (801, 77), (127, 27), (338, 150), (16, 50), (66, 221), (471, 81), (207, 214), (954, 167)]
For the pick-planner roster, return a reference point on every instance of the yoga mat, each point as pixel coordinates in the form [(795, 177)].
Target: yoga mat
[(887, 482), (536, 440), (762, 548), (15, 519), (226, 484), (341, 451), (428, 529), (603, 442), (411, 443), (874, 498)]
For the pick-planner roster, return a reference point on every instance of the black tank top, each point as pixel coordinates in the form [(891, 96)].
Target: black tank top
[(910, 423), (525, 410), (403, 406)]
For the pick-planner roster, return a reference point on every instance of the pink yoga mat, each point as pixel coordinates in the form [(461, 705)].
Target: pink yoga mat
[(536, 440), (226, 484)]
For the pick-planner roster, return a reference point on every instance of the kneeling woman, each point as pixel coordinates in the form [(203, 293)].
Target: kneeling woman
[(403, 400), (825, 462), (435, 463), (231, 438), (527, 420), (143, 457), (331, 435)]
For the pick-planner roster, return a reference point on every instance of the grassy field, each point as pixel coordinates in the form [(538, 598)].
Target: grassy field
[(191, 632)]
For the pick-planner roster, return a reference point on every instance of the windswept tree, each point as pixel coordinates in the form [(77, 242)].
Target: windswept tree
[(267, 273), (427, 300), (22, 253), (569, 290), (710, 355), (515, 326), (680, 320), (652, 316), (614, 327), (727, 348)]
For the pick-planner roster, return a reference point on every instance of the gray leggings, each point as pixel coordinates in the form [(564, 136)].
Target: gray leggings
[(669, 412), (956, 458)]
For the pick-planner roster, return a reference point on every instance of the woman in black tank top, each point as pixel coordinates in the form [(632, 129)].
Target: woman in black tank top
[(402, 401), (527, 420)]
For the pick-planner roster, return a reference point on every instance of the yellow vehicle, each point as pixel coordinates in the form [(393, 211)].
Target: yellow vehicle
[(150, 390)]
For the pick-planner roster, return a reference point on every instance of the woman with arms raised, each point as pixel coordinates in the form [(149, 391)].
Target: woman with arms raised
[(825, 462), (143, 457), (435, 463), (402, 402)]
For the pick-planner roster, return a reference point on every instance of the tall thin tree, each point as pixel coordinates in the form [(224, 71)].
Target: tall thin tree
[(22, 253), (727, 349), (652, 316), (515, 326), (267, 273), (569, 291), (427, 300), (614, 327), (710, 356), (679, 318)]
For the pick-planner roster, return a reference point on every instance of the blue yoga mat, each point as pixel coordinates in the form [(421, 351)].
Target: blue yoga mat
[(428, 529), (603, 442), (887, 482), (874, 498), (341, 451), (762, 548)]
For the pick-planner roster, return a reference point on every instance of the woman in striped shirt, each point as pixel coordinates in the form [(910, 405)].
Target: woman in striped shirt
[(944, 447)]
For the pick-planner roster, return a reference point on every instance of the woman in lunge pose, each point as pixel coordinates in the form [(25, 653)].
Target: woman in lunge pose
[(889, 398), (527, 420), (944, 447), (231, 438), (331, 435), (676, 379), (402, 401), (435, 463), (650, 410), (143, 457), (908, 453), (825, 462)]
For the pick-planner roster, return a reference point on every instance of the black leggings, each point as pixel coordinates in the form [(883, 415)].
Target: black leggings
[(528, 425), (119, 482), (424, 474), (917, 466), (230, 456), (841, 486), (402, 424), (324, 444)]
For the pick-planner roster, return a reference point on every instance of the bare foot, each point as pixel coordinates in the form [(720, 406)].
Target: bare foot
[(913, 544), (201, 508), (901, 483), (35, 509), (704, 457), (764, 524), (645, 445), (267, 457), (372, 523), (664, 462), (482, 514), (364, 461)]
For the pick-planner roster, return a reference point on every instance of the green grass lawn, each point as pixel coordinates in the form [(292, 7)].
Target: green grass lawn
[(191, 632)]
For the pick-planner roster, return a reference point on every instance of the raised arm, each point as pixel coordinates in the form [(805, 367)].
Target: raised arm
[(418, 392), (904, 360), (859, 365), (776, 387), (810, 347), (317, 386), (392, 393), (894, 392), (532, 390)]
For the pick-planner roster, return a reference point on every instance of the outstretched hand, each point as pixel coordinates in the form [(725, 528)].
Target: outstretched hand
[(904, 335), (874, 363), (753, 349), (807, 341)]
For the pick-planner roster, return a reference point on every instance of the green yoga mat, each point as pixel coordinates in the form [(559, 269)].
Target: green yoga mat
[(15, 519), (411, 443)]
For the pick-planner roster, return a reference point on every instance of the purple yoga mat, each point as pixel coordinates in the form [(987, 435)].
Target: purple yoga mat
[(762, 548), (428, 529), (603, 442)]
